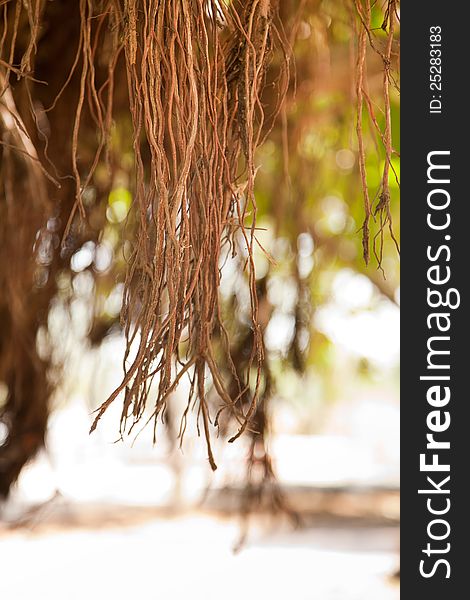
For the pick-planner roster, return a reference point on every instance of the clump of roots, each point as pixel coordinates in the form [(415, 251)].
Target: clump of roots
[(388, 55), (195, 71), (190, 78)]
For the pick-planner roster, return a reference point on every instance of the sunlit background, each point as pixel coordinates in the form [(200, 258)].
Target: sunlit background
[(97, 517)]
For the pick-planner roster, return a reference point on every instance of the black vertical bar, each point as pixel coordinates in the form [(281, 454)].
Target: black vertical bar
[(425, 246)]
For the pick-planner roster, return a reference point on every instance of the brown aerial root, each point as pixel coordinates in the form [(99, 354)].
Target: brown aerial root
[(382, 209), (197, 82), (196, 71), (23, 205), (262, 490)]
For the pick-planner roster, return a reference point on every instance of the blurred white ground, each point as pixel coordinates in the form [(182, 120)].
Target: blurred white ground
[(104, 537), (192, 557)]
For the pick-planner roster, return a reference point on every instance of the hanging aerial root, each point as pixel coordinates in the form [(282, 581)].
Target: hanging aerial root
[(196, 72), (365, 38)]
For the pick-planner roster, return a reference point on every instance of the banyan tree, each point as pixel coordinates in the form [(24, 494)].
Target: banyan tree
[(168, 132)]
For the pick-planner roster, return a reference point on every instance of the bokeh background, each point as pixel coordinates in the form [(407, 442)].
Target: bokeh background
[(95, 517)]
